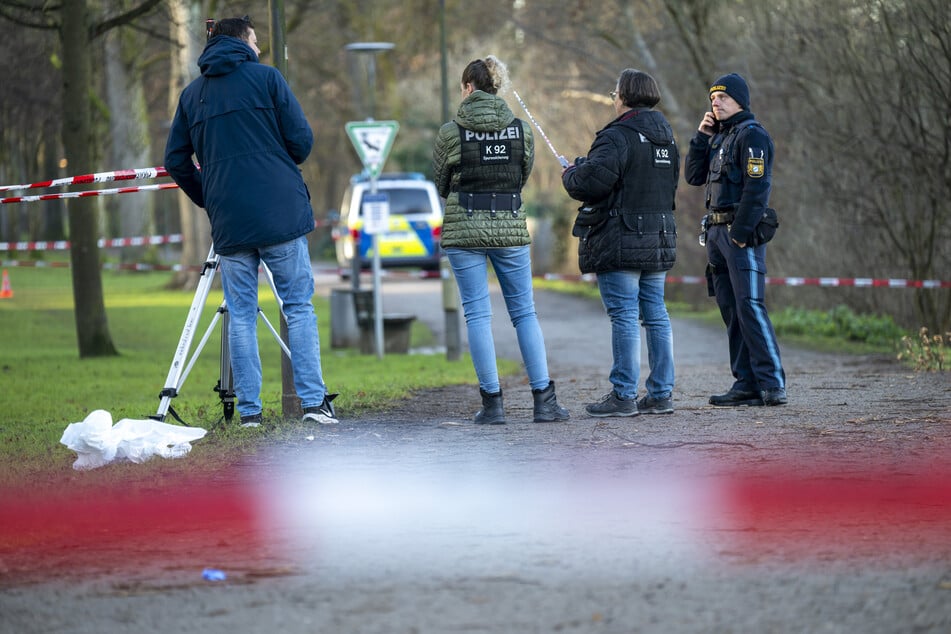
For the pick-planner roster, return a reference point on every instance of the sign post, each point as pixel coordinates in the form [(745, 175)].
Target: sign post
[(376, 220), (372, 141)]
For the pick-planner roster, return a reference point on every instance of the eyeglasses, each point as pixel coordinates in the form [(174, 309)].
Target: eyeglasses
[(613, 94)]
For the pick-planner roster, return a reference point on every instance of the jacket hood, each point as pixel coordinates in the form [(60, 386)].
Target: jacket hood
[(482, 112), (223, 54), (650, 123)]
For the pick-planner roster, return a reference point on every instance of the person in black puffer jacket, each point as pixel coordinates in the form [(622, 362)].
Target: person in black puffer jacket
[(627, 236)]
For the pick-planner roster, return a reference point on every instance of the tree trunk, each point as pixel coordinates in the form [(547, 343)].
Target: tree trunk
[(54, 217), (92, 328), (129, 216), (196, 231)]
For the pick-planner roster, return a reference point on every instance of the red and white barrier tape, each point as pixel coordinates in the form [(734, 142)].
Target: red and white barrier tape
[(112, 266), (159, 172), (86, 194), (63, 245), (100, 177), (857, 282), (860, 282)]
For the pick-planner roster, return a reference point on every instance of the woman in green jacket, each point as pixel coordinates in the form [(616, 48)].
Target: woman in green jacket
[(481, 161)]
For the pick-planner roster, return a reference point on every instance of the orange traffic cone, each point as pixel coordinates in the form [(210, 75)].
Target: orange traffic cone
[(5, 289)]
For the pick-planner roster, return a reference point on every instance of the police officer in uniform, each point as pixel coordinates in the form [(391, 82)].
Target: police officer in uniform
[(732, 155)]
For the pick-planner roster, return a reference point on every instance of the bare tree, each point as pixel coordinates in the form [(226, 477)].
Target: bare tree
[(76, 30), (129, 140), (29, 131), (871, 83), (187, 33)]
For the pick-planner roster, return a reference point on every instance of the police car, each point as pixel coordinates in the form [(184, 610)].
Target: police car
[(411, 238)]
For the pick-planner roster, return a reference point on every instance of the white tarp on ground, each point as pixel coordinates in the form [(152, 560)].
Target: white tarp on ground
[(98, 442)]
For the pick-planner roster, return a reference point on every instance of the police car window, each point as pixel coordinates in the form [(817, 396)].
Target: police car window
[(408, 201)]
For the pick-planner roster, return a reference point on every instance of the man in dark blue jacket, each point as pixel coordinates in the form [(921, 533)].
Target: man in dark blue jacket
[(732, 154), (248, 133)]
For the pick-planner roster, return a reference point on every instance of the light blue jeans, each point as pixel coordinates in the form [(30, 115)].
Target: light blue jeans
[(289, 263), (513, 269), (628, 296)]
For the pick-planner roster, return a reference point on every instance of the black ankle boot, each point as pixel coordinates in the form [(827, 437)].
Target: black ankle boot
[(547, 409), (491, 412)]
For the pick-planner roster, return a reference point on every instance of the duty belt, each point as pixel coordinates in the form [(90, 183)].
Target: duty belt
[(492, 202), (720, 217)]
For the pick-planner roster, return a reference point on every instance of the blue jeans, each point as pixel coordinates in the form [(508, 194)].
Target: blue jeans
[(289, 263), (513, 269), (628, 296)]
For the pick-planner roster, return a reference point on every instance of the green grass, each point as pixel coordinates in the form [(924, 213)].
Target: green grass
[(45, 386)]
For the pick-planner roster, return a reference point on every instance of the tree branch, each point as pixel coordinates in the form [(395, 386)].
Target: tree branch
[(33, 17), (123, 18)]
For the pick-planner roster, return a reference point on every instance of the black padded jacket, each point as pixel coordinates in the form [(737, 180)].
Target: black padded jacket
[(627, 183)]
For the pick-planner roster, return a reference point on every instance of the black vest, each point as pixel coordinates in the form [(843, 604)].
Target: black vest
[(491, 162), (725, 177), (650, 181)]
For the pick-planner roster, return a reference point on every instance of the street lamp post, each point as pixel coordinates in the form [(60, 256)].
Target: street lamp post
[(368, 50)]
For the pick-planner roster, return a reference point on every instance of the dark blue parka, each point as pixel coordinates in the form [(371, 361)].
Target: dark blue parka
[(248, 133)]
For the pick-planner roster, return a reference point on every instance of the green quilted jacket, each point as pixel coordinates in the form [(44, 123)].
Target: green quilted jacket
[(480, 112)]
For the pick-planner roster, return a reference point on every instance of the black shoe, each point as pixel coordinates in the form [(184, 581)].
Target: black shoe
[(251, 420), (651, 405), (736, 397), (774, 396), (546, 408), (323, 413), (492, 412), (611, 405)]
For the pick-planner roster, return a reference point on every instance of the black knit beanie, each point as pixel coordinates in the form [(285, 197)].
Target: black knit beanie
[(735, 86)]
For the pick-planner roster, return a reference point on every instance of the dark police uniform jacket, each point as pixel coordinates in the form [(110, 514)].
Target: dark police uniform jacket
[(627, 182), (736, 165)]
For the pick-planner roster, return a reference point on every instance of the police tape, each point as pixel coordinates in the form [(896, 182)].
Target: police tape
[(87, 193), (63, 245), (99, 177), (108, 266), (103, 243), (160, 172), (854, 282)]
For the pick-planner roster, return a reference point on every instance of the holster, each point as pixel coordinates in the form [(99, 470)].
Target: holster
[(766, 228)]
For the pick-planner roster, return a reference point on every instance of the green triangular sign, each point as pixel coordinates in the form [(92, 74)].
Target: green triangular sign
[(372, 140)]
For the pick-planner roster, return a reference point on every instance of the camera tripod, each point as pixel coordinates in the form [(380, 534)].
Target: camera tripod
[(179, 369)]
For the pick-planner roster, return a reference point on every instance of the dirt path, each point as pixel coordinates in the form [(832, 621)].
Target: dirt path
[(831, 514)]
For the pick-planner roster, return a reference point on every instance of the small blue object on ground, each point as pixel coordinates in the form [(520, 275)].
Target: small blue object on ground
[(210, 574)]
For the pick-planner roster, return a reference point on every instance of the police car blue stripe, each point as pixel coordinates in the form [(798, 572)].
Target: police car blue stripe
[(425, 233)]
